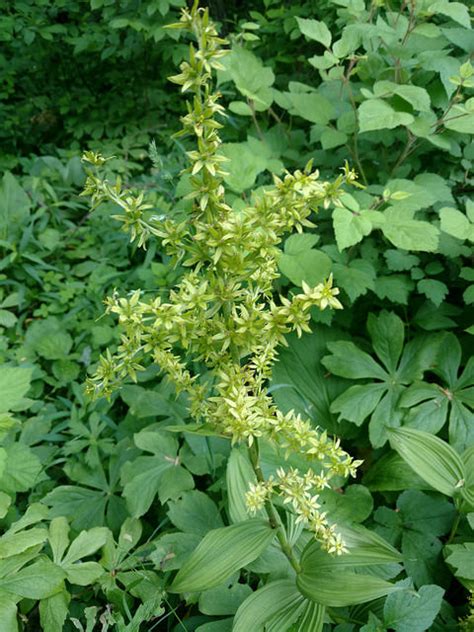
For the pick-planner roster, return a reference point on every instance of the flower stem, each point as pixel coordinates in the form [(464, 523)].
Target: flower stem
[(272, 514)]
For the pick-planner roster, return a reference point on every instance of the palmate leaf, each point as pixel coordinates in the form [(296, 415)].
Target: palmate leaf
[(431, 458), (221, 553), (399, 365)]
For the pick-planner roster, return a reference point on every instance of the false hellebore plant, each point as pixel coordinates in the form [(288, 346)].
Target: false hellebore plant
[(223, 317)]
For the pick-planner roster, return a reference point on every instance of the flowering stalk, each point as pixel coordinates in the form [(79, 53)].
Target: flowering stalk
[(223, 313)]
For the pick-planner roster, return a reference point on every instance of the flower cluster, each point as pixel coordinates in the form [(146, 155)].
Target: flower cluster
[(223, 317)]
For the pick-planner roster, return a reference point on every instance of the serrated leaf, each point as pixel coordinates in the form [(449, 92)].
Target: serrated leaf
[(433, 289), (86, 543), (221, 553), (310, 266), (430, 457), (14, 384), (347, 360), (410, 234), (349, 227), (53, 611), (37, 581), (407, 611), (358, 402), (315, 30), (375, 114)]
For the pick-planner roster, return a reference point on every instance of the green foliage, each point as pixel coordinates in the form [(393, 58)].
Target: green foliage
[(105, 505)]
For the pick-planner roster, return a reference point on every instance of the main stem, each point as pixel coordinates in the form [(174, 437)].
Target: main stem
[(272, 514)]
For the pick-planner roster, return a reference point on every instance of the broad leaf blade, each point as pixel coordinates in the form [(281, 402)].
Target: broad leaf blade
[(342, 588), (221, 553), (430, 457), (265, 603)]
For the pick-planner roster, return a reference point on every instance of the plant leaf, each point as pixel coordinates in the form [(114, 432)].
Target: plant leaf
[(221, 553), (430, 457)]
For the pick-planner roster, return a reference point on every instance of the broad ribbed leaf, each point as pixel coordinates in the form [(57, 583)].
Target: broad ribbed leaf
[(342, 588), (366, 548), (430, 457), (238, 476), (221, 553), (264, 604), (312, 619)]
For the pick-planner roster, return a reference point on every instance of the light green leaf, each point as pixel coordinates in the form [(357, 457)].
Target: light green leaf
[(375, 114), (349, 227), (311, 266), (299, 243), (409, 234), (14, 384), (457, 11), (460, 119), (22, 469), (430, 457), (221, 553), (243, 166), (264, 603), (53, 611), (84, 573), (239, 475), (14, 543), (58, 537), (86, 543), (416, 96), (331, 138), (315, 30), (342, 588), (250, 76), (366, 548), (454, 223), (312, 106), (8, 620), (37, 581)]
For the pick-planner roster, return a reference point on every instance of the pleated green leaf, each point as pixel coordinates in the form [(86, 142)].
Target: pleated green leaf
[(221, 553), (312, 619), (238, 476), (434, 460), (265, 604), (366, 548), (342, 588)]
